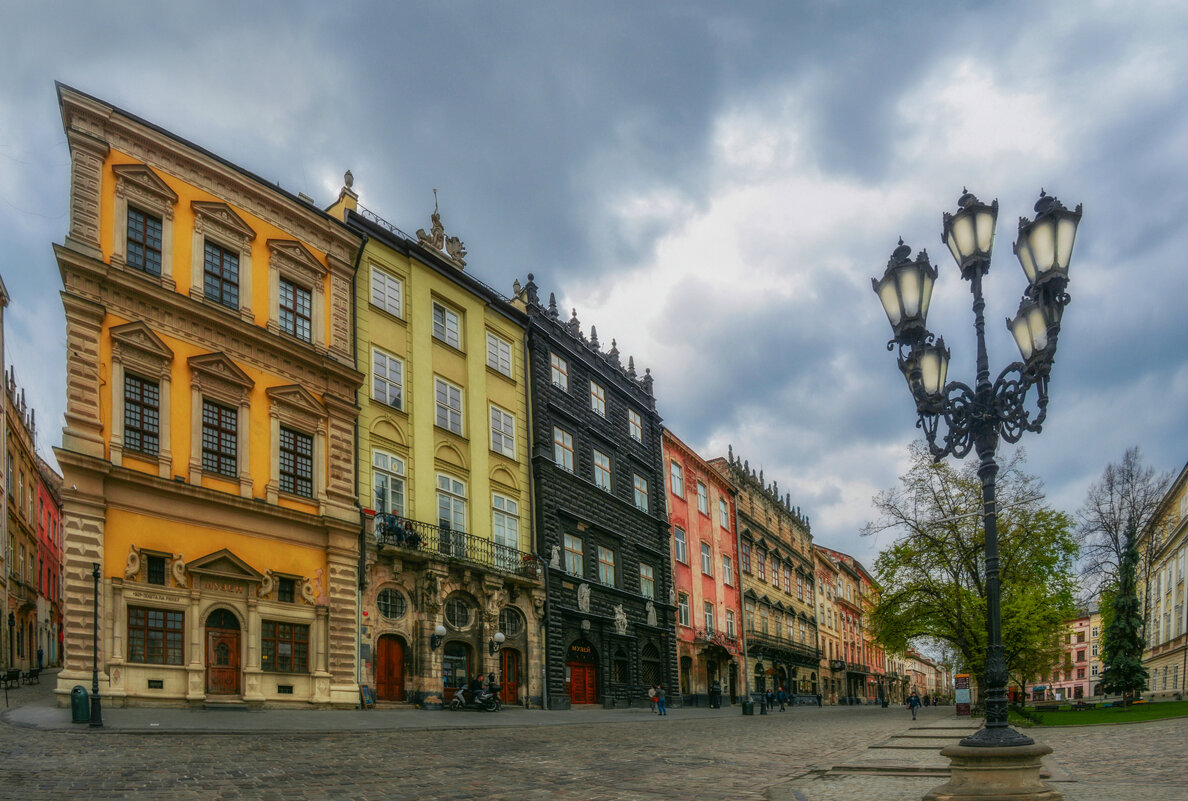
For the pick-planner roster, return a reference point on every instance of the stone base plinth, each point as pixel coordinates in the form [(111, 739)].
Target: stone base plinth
[(995, 774)]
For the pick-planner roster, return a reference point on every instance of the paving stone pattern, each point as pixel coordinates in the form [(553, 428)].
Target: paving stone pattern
[(596, 755)]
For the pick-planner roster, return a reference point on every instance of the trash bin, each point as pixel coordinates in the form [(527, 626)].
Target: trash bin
[(80, 705), (748, 706)]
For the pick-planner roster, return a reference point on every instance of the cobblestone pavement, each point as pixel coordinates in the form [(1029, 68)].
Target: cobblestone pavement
[(692, 754)]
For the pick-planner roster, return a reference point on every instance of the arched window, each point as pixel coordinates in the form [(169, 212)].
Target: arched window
[(650, 659)]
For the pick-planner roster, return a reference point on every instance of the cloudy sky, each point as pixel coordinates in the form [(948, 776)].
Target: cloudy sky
[(713, 185)]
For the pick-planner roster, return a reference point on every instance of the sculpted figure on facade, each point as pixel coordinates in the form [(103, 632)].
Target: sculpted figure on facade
[(620, 619), (266, 585), (178, 569), (307, 591), (651, 607), (583, 596), (555, 559), (132, 566)]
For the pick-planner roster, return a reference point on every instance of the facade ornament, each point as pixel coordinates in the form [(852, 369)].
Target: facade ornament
[(631, 366), (132, 566), (613, 353), (647, 381), (430, 591), (530, 291), (651, 607), (586, 626), (594, 337), (620, 619), (553, 306), (516, 288), (348, 179), (555, 559), (266, 585), (575, 326), (538, 602), (451, 246), (178, 568), (307, 591), (320, 588), (672, 595), (583, 597)]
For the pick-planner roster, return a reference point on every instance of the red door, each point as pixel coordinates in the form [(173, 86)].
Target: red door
[(583, 683), (509, 671), (389, 669), (222, 661)]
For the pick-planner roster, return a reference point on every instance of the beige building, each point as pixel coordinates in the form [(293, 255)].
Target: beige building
[(1163, 547)]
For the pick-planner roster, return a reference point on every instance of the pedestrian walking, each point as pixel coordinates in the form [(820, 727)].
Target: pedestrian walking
[(913, 704), (661, 704), (716, 695), (782, 697), (40, 657), (769, 700), (819, 699), (652, 697)]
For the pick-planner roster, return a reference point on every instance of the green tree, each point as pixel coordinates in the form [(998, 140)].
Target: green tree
[(1122, 643), (933, 574)]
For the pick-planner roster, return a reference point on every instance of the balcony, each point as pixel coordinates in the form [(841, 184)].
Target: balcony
[(799, 651), (442, 542), (715, 637)]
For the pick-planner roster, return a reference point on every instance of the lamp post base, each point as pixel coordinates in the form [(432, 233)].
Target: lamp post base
[(1001, 773)]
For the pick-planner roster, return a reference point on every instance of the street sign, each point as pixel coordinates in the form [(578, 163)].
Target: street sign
[(962, 695)]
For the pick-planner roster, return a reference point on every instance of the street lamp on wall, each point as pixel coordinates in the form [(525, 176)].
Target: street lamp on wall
[(496, 643), (437, 637)]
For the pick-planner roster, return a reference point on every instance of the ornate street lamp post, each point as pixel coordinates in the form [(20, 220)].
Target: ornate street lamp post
[(975, 418)]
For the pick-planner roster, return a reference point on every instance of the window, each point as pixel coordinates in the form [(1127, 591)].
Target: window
[(723, 513), (221, 275), (1093, 670), (647, 581), (391, 604), (387, 378), (451, 503), (296, 463), (511, 622), (1080, 673), (284, 647), (563, 449), (602, 470), (1080, 636), (446, 326), (499, 354), (707, 559), (449, 406), (678, 479), (788, 582), (458, 613), (606, 566), (155, 636), (1094, 651), (597, 399), (142, 406), (683, 609), (746, 557), (729, 622), (641, 492), (286, 590), (764, 619), (702, 499), (386, 291), (219, 438), (387, 483), (727, 571), (709, 617), (679, 548), (800, 587), (763, 565), (155, 569), (503, 432), (573, 555), (505, 525), (144, 241), (635, 425), (560, 372), (295, 310)]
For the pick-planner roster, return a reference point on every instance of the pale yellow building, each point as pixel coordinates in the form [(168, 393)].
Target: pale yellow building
[(1163, 548)]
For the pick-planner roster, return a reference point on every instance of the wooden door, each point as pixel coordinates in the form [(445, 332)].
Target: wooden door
[(222, 661), (509, 672), (389, 669), (583, 683)]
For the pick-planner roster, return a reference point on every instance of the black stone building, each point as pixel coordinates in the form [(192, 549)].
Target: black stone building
[(601, 526)]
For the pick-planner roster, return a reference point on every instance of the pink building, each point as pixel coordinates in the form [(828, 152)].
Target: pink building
[(705, 574), (1071, 678), (49, 563)]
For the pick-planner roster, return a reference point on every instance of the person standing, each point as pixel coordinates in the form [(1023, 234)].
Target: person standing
[(652, 697), (914, 704), (661, 704), (40, 657), (782, 697), (716, 695)]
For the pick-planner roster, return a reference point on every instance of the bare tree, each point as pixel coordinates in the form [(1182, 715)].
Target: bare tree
[(1128, 491)]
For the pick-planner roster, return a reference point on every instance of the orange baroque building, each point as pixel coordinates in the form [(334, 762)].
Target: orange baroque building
[(208, 454), (704, 575)]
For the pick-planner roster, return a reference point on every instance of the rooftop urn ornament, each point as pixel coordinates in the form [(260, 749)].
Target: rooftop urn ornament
[(348, 179)]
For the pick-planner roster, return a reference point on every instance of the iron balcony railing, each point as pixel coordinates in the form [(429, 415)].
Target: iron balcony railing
[(770, 640), (443, 541), (716, 637)]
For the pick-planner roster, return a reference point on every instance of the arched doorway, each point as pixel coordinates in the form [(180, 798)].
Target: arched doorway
[(389, 668), (455, 668), (222, 653), (581, 673), (509, 675)]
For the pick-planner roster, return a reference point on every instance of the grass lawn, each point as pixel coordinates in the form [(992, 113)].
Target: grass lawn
[(1164, 709)]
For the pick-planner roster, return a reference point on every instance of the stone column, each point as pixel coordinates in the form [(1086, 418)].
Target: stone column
[(195, 633), (244, 436), (253, 693), (87, 154)]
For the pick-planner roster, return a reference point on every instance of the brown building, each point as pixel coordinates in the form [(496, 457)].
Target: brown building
[(22, 560)]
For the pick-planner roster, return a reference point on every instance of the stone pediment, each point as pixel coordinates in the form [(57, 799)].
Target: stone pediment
[(139, 336), (220, 366), (750, 593), (224, 564), (223, 214), (144, 179), (778, 605), (298, 398), (297, 256)]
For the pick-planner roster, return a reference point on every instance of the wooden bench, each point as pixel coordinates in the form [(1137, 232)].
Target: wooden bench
[(31, 676), (1082, 705), (1047, 707), (11, 679)]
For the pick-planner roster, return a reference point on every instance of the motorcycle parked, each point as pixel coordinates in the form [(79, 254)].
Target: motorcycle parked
[(486, 701)]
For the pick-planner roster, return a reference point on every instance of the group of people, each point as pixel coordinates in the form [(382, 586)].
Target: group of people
[(477, 686), (777, 696), (656, 697)]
